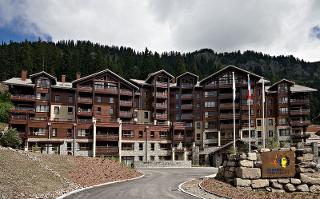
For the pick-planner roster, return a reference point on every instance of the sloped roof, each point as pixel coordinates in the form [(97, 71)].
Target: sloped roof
[(19, 81), (226, 68), (106, 71), (278, 82), (45, 74), (299, 88), (158, 72), (139, 82), (188, 73)]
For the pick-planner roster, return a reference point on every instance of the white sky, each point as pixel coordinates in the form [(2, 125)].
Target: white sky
[(270, 26)]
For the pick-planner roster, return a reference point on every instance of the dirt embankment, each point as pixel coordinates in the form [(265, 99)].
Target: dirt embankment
[(32, 175)]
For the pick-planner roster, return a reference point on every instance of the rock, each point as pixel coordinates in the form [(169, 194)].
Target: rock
[(277, 190), (315, 189), (295, 181), (285, 149), (306, 179), (289, 187), (248, 173), (231, 163), (225, 163), (264, 150), (305, 170), (232, 169), (246, 163), (303, 188), (283, 180), (252, 156), (258, 164), (232, 157), (307, 150), (242, 156), (269, 189), (241, 182), (260, 183), (306, 157), (229, 174), (276, 185)]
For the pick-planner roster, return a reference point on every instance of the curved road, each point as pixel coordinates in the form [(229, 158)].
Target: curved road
[(157, 184)]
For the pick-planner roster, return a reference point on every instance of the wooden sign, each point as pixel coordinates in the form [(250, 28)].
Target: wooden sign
[(278, 164)]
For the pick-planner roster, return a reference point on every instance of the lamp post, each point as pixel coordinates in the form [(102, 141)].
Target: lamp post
[(146, 148)]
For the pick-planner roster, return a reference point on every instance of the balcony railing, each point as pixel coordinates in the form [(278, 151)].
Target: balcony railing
[(161, 116), (19, 109), (227, 95), (179, 125), (125, 92), (161, 84), (23, 97), (85, 112), (300, 123), (125, 114), (228, 105), (126, 103), (106, 150), (108, 90), (178, 137), (228, 126), (161, 105), (186, 96), (88, 121), (107, 136), (228, 115), (299, 102), (186, 106), (85, 100), (186, 116), (85, 88), (300, 112), (186, 85), (161, 95)]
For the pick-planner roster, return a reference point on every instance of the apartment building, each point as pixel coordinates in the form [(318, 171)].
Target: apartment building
[(159, 118)]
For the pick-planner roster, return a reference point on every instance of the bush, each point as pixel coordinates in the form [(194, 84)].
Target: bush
[(273, 143), (5, 111), (10, 139)]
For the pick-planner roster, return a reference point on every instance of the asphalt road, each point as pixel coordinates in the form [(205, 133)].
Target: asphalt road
[(157, 184)]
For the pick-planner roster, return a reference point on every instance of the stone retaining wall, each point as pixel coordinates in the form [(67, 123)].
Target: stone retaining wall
[(244, 171), (163, 164)]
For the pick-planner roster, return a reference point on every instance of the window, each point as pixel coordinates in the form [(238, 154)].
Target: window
[(198, 125), (99, 110), (45, 83), (70, 99), (126, 133), (70, 110), (54, 132), (284, 132), (283, 121), (140, 134), (99, 99), (259, 134), (69, 132), (83, 132), (111, 111), (57, 98), (258, 122), (152, 134), (177, 96), (270, 122), (210, 93), (198, 105), (283, 110), (283, 100), (111, 100), (163, 134), (68, 146), (42, 108), (152, 157), (270, 133), (140, 146), (198, 136), (56, 110), (140, 158), (146, 115), (209, 104), (39, 131), (152, 146), (85, 146)]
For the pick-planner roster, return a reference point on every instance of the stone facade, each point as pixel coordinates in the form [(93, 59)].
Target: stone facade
[(244, 171)]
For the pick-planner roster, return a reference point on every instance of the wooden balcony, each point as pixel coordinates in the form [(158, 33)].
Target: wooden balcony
[(84, 100), (27, 110), (300, 123), (24, 98), (211, 86), (85, 89), (85, 112), (107, 137), (86, 121), (107, 150), (186, 106), (228, 126), (162, 95), (179, 125), (227, 95), (18, 119), (299, 102), (300, 112), (228, 106), (160, 105), (106, 90), (125, 114), (227, 116), (186, 96), (125, 103), (186, 116), (126, 92), (161, 117), (161, 84), (178, 137), (186, 85)]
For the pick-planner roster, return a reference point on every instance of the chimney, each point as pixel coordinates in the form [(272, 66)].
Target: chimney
[(63, 78), (78, 75), (24, 74)]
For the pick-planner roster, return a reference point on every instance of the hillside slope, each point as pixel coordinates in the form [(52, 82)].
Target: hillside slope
[(32, 175)]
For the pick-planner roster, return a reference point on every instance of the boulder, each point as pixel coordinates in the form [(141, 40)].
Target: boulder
[(276, 185), (260, 183), (303, 188), (307, 179), (306, 157), (305, 170), (246, 163), (225, 163), (242, 156), (283, 180), (252, 156), (229, 174), (258, 164), (293, 148), (264, 150), (295, 181), (277, 190), (231, 163), (289, 187), (248, 173), (315, 189), (241, 182)]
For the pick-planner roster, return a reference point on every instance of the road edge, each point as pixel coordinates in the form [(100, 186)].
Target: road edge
[(98, 185), (186, 192), (218, 195)]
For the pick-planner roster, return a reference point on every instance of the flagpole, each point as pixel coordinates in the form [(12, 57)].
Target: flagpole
[(234, 110), (263, 120), (249, 98)]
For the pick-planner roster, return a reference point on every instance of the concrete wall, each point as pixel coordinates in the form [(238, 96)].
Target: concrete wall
[(63, 113)]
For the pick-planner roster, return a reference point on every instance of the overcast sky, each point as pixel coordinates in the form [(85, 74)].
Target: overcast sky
[(270, 26)]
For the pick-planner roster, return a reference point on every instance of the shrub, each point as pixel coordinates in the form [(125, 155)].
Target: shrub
[(10, 138)]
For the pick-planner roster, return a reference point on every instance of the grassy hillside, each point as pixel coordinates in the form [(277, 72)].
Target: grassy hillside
[(31, 175)]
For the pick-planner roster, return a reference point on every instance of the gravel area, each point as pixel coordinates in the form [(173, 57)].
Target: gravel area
[(192, 187), (33, 175), (227, 190)]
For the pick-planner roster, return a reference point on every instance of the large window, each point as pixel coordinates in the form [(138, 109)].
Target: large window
[(44, 83), (210, 104), (42, 108)]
